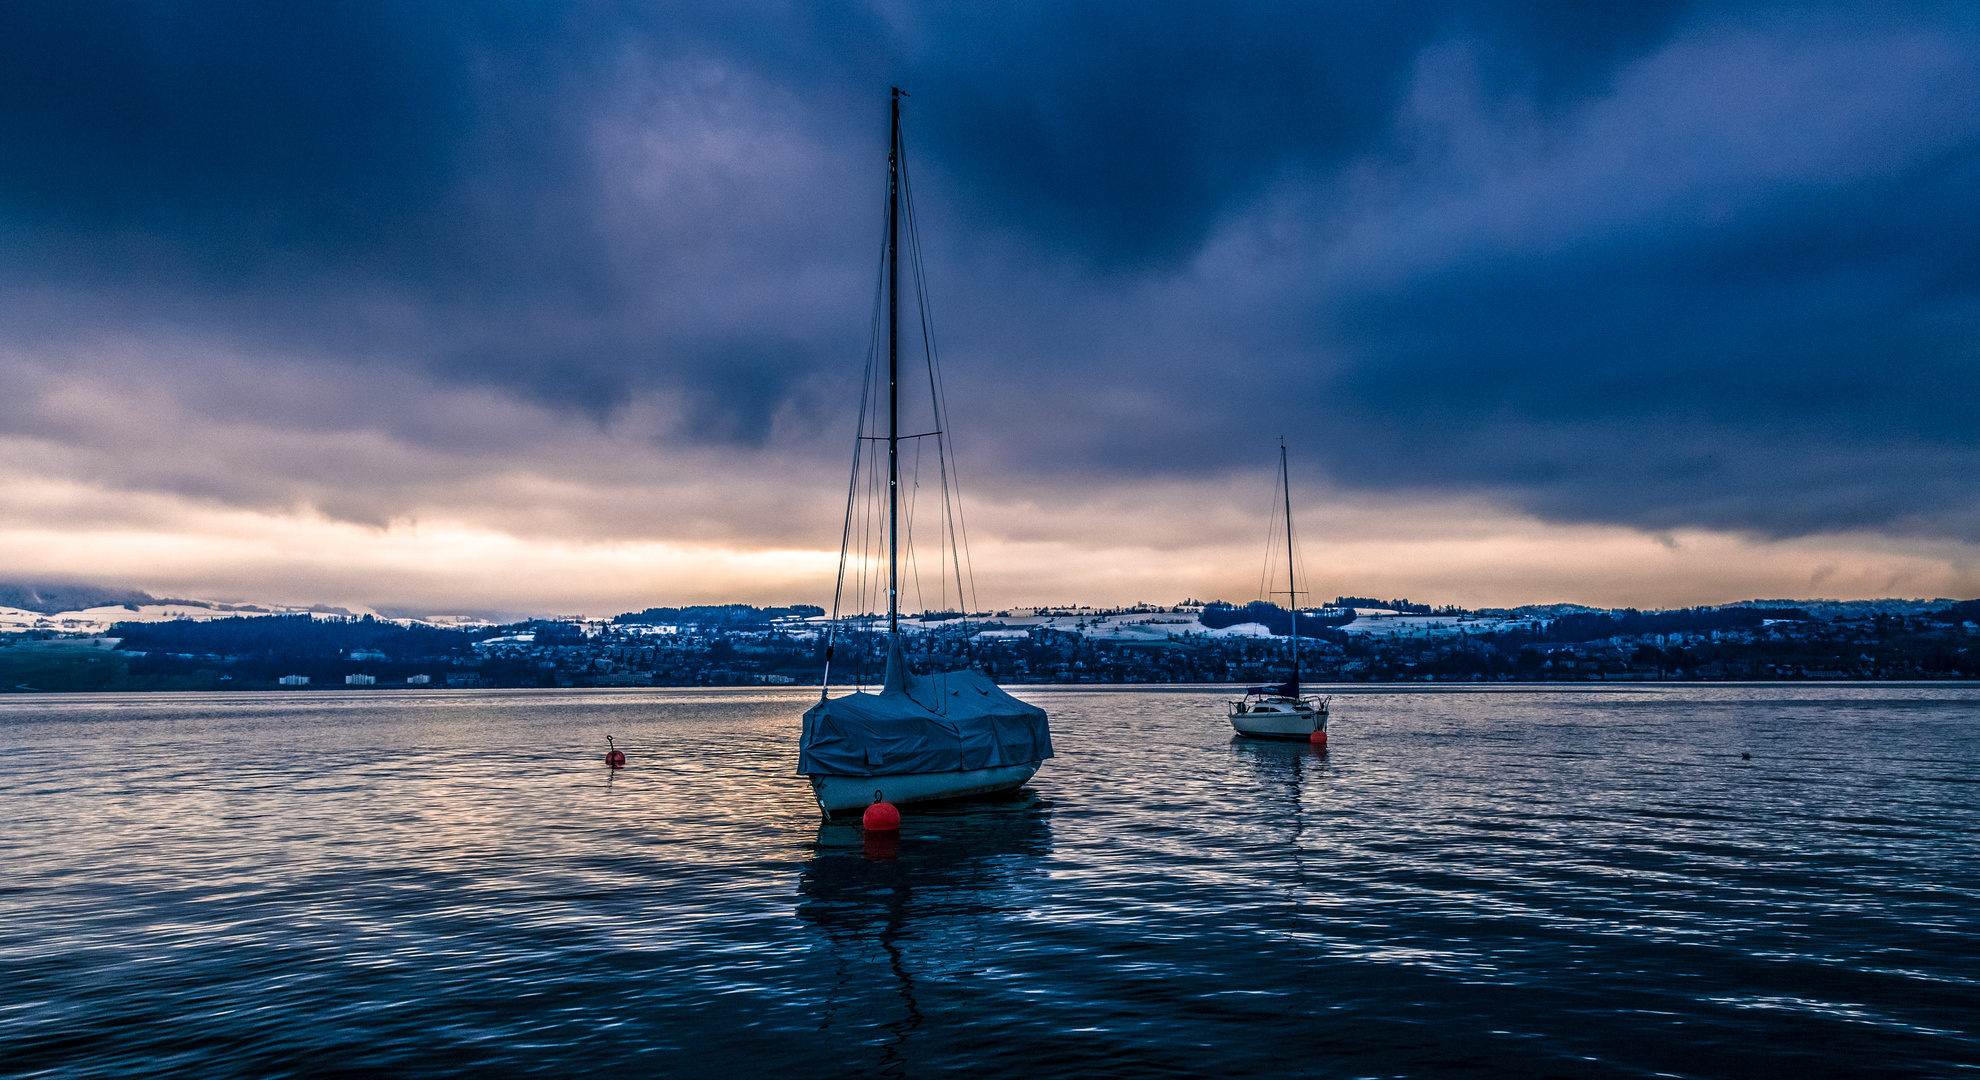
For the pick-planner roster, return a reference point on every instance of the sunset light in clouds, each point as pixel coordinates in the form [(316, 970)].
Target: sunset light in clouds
[(450, 309)]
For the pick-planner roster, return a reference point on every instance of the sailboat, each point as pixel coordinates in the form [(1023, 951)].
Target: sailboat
[(921, 738), (1279, 711)]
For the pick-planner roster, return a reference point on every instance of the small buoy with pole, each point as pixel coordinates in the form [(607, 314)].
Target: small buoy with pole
[(614, 758), (881, 816)]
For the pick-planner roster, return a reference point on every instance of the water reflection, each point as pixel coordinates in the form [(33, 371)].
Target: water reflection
[(896, 913), (1281, 771), (1502, 884)]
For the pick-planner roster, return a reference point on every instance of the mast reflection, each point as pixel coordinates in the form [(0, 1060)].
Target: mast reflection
[(1283, 771), (899, 919)]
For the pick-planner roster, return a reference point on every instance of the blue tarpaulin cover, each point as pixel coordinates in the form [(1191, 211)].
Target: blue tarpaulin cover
[(942, 722)]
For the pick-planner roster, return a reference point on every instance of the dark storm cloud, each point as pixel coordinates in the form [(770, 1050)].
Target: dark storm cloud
[(1809, 371), (440, 145), (228, 127), (1787, 357), (1122, 131), (1520, 249)]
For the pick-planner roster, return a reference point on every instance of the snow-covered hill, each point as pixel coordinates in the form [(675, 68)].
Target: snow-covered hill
[(98, 620)]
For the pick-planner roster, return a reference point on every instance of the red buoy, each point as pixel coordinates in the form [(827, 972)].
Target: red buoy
[(881, 817), (613, 758), (1318, 739)]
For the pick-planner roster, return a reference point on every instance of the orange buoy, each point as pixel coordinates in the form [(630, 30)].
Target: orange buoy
[(881, 817), (1318, 739), (613, 758)]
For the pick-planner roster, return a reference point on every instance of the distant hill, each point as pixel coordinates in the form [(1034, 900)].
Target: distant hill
[(301, 636), (50, 598), (723, 615), (1854, 609)]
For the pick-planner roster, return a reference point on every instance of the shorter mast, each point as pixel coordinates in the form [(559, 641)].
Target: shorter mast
[(1292, 594)]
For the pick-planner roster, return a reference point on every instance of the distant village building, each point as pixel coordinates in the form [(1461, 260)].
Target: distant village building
[(360, 680), (367, 654), (294, 680), (418, 680)]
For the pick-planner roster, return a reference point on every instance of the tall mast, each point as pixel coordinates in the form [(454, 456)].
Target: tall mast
[(894, 373), (1292, 596)]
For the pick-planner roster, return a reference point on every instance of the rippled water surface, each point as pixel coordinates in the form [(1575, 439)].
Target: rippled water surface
[(1579, 883)]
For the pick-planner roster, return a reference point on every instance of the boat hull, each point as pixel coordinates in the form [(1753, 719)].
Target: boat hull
[(838, 794), (1298, 723)]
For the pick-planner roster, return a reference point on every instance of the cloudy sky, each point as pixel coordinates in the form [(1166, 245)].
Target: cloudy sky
[(534, 307)]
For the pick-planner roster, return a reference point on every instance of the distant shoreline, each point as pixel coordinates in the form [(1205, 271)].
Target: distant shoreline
[(1323, 688)]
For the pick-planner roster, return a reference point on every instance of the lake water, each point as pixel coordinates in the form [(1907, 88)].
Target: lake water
[(1476, 882)]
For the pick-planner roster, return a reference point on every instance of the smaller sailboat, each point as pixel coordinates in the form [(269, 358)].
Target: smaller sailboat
[(1281, 711)]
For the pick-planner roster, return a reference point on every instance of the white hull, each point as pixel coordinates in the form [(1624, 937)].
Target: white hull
[(837, 794), (1278, 720)]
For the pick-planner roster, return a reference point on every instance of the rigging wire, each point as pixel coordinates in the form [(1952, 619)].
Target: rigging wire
[(1298, 559), (852, 489), (1266, 577), (1277, 525), (952, 516), (907, 544), (862, 541)]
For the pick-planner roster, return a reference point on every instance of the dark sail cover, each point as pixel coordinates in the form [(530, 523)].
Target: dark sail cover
[(944, 722)]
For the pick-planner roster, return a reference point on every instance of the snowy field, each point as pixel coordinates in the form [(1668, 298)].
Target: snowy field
[(1162, 625), (98, 620)]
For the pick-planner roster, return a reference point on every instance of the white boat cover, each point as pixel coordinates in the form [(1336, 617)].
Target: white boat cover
[(942, 722)]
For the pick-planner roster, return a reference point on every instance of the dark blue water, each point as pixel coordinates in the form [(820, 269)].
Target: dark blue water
[(1477, 883)]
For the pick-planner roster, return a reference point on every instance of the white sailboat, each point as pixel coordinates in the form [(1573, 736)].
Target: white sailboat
[(921, 738), (1281, 711)]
